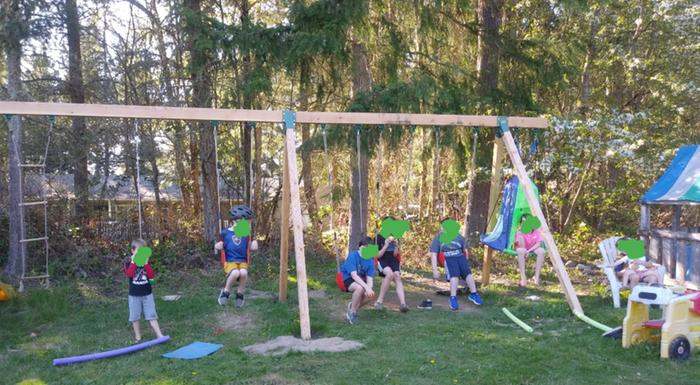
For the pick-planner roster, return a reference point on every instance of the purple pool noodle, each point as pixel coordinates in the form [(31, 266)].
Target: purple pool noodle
[(111, 353)]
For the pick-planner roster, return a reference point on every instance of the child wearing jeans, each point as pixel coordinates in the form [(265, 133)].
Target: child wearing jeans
[(141, 293)]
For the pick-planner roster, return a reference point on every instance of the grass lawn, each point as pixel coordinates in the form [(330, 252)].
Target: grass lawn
[(475, 345)]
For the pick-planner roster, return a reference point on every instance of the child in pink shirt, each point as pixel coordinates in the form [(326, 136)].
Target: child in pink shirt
[(526, 244)]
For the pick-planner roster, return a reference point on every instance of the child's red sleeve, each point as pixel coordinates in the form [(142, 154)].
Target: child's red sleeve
[(130, 270), (149, 271)]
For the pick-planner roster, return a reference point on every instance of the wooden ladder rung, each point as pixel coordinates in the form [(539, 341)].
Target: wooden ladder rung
[(33, 203), (33, 239)]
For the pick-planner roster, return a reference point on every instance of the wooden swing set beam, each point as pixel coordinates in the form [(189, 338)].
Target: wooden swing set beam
[(231, 115), (291, 197)]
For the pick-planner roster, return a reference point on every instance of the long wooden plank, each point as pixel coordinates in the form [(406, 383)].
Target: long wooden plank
[(284, 230), (220, 114), (140, 112), (298, 230), (552, 248), (415, 119)]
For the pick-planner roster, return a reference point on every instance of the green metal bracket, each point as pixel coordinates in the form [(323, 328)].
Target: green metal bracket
[(502, 126), (215, 124), (289, 118)]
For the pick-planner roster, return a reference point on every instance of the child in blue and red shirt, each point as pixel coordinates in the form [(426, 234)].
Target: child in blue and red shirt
[(456, 266), (235, 256), (141, 293)]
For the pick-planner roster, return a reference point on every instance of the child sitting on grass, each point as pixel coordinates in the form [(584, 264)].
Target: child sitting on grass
[(141, 293), (357, 275)]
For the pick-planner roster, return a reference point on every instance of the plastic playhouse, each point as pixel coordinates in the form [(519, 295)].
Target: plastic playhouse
[(679, 327)]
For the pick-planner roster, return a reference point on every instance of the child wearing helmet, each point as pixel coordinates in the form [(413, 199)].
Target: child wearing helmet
[(235, 246)]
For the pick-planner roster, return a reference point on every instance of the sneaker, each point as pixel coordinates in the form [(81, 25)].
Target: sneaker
[(378, 306), (426, 304), (475, 298), (239, 300), (454, 305), (404, 308), (223, 297), (348, 313)]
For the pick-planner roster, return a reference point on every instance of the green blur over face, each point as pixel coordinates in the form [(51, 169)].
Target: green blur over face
[(530, 224), (394, 228), (242, 228), (369, 251), (142, 256), (450, 230), (634, 248)]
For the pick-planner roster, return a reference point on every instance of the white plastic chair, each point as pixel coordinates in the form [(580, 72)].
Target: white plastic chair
[(610, 253)]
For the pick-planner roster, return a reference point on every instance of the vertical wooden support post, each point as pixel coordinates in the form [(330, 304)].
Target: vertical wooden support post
[(297, 224), (284, 229), (552, 248), (678, 274), (494, 191)]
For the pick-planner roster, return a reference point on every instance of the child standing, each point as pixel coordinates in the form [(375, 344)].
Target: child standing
[(141, 293), (456, 263), (357, 275), (390, 267), (235, 255)]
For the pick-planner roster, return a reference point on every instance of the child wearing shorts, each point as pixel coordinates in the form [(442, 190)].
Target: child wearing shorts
[(141, 299), (358, 273), (235, 253)]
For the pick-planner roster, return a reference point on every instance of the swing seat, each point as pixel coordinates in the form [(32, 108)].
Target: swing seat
[(340, 281), (441, 259)]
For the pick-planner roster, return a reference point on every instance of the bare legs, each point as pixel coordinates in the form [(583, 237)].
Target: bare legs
[(389, 276), (154, 326), (522, 254), (235, 275), (359, 298)]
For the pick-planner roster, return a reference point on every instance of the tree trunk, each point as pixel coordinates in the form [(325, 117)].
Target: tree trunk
[(246, 134), (590, 57), (200, 60), (306, 164), (489, 19), (423, 196), (361, 82), (244, 8), (435, 199), (14, 144), (258, 188), (166, 82), (76, 92)]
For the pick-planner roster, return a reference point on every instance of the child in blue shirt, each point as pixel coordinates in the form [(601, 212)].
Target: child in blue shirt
[(456, 266), (358, 273), (235, 256)]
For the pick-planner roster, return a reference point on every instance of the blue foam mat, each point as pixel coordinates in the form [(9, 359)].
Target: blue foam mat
[(193, 351)]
